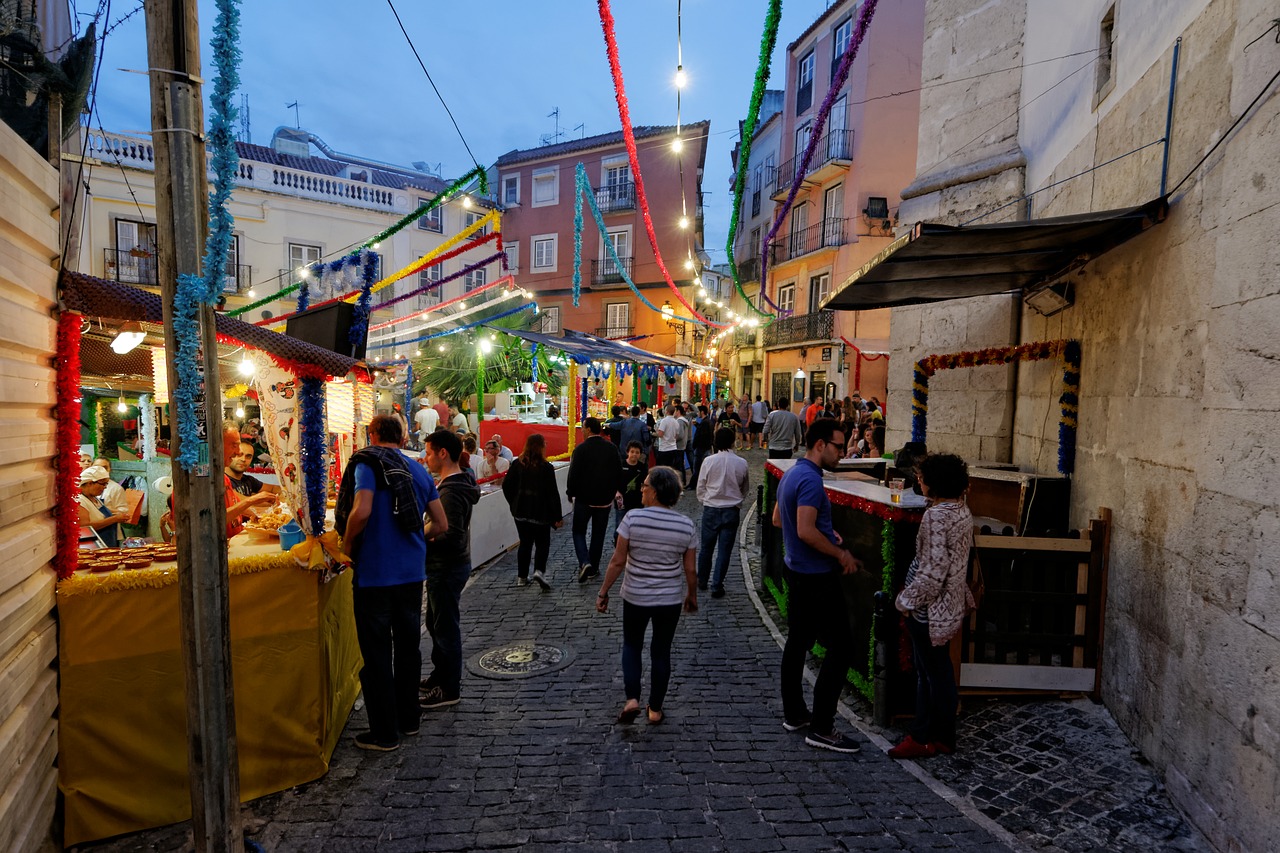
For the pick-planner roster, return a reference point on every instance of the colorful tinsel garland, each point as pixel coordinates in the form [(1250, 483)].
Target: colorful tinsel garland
[(1069, 400), (509, 312), (629, 137), (439, 283), (470, 295), (311, 449), (360, 316), (767, 43)]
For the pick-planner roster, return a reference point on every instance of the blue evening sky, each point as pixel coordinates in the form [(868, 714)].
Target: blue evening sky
[(501, 66)]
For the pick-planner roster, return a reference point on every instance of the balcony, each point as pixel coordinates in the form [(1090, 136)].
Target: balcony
[(617, 330), (749, 269), (800, 329), (238, 278), (824, 235), (608, 272), (615, 197), (833, 155), (131, 266), (745, 336)]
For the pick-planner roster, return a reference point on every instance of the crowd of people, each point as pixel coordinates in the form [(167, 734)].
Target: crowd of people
[(634, 468)]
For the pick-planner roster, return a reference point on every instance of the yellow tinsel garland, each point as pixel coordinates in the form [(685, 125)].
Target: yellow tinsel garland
[(121, 580)]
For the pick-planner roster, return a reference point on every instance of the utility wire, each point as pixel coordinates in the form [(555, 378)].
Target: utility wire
[(433, 83), (1227, 134), (942, 83)]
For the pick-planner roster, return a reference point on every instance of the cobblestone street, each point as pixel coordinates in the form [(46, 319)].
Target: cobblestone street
[(539, 764)]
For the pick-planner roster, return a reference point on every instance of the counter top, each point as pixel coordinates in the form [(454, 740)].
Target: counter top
[(868, 496)]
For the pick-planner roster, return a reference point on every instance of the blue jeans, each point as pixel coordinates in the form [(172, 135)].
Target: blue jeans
[(719, 527), (444, 624), (935, 719), (598, 518), (387, 629), (635, 618)]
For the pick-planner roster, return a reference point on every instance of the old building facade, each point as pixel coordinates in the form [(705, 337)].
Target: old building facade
[(1032, 110)]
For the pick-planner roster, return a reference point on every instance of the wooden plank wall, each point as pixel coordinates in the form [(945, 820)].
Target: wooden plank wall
[(28, 635)]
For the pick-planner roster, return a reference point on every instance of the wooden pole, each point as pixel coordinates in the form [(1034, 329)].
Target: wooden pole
[(181, 186)]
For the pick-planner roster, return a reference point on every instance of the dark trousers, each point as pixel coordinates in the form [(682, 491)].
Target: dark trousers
[(780, 453), (719, 527), (816, 610), (635, 618), (699, 456), (535, 542), (444, 624), (935, 720), (598, 518), (388, 629), (672, 459)]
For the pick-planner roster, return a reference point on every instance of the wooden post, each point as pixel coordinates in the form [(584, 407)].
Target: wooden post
[(181, 186)]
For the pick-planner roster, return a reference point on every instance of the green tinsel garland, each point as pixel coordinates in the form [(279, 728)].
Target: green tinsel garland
[(767, 43)]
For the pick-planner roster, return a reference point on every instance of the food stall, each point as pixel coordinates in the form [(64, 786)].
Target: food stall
[(295, 661)]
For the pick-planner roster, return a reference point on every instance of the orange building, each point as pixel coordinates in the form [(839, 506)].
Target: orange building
[(536, 188)]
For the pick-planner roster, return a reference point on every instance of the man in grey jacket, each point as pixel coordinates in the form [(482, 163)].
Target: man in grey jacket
[(782, 431)]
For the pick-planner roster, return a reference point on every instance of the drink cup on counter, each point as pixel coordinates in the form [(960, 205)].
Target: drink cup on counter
[(896, 486)]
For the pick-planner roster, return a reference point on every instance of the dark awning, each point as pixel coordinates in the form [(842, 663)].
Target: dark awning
[(938, 262), (583, 348)]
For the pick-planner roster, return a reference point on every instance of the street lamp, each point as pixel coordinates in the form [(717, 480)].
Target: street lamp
[(669, 314)]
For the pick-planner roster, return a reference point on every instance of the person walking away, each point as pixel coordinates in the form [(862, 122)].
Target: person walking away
[(703, 432), (721, 490), (633, 429), (755, 430), (782, 431), (816, 608), (656, 547), (379, 513), (426, 419), (682, 442), (534, 497), (934, 600), (448, 567), (634, 470), (595, 475), (668, 433)]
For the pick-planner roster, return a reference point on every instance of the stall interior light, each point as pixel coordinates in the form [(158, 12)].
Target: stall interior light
[(800, 373), (246, 367), (486, 346), (122, 406), (240, 412), (128, 338)]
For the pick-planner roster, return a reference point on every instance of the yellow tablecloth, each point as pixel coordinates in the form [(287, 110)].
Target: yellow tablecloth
[(122, 734)]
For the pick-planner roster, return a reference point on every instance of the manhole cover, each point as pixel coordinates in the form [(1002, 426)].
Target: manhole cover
[(520, 659)]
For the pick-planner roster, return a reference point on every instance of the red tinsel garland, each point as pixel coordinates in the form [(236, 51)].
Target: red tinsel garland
[(465, 247), (884, 512), (67, 460), (1035, 351), (629, 137)]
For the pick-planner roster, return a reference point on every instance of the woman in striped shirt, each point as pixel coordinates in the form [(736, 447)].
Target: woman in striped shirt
[(660, 576)]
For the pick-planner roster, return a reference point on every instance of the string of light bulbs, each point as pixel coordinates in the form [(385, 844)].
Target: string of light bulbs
[(464, 312)]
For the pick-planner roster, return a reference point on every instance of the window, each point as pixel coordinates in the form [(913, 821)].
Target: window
[(301, 255), (617, 174), (1106, 78), (833, 216), (617, 319), (787, 298), (802, 140), (134, 258), (757, 178), (804, 88), (513, 257), (550, 319), (234, 278), (546, 186), (474, 279), (839, 42), (431, 221), (435, 295), (471, 218), (799, 222), (511, 189), (819, 289), (754, 249), (544, 253), (621, 240)]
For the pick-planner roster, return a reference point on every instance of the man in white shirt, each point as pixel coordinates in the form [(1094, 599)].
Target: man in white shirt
[(755, 429), (723, 483), (668, 431), (426, 420), (491, 464)]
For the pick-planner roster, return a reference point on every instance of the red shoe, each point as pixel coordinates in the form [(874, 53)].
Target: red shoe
[(909, 747), (941, 748)]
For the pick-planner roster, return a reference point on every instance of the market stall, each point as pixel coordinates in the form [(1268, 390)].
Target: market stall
[(295, 661)]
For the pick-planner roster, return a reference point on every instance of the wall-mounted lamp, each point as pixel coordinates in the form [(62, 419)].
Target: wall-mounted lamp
[(1050, 300)]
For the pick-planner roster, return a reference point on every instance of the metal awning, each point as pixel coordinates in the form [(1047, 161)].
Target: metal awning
[(584, 348), (937, 262)]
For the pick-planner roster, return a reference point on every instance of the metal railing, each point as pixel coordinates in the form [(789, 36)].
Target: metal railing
[(237, 278), (746, 337), (616, 197), (823, 235), (836, 145), (131, 266), (749, 269), (617, 330), (802, 328), (609, 272)]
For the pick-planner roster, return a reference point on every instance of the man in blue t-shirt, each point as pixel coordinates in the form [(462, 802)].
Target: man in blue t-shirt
[(816, 608), (379, 515)]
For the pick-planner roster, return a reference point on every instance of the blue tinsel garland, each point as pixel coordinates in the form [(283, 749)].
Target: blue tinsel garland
[(312, 449), (192, 290), (919, 403), (454, 331), (360, 317), (577, 237)]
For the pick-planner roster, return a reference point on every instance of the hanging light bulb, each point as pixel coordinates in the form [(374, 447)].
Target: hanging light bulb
[(682, 79), (376, 246), (128, 337), (440, 348), (688, 263), (418, 351), (462, 306), (486, 346), (121, 406), (252, 293), (246, 367), (684, 222), (677, 145), (466, 201), (240, 412)]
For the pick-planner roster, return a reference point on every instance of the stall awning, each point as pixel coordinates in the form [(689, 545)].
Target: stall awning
[(583, 347), (938, 262), (97, 297)]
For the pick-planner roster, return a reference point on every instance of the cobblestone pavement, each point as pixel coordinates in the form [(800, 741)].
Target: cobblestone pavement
[(538, 764)]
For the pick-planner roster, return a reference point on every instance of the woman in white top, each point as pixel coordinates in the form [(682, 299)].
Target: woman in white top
[(660, 576)]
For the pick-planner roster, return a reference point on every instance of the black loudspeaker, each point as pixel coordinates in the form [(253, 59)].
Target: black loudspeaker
[(329, 327)]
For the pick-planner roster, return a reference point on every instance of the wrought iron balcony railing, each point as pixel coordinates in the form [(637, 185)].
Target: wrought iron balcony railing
[(799, 329), (836, 145), (823, 235), (610, 272), (616, 197)]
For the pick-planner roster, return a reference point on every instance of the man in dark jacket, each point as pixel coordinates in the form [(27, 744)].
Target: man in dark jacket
[(703, 430), (633, 429), (448, 567), (613, 426), (595, 473)]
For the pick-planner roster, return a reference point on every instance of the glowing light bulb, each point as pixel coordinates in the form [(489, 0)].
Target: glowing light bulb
[(466, 201), (376, 246), (682, 79), (122, 407), (417, 352), (485, 346), (684, 222), (252, 293), (688, 263), (440, 348), (462, 306), (239, 413), (246, 367), (677, 145)]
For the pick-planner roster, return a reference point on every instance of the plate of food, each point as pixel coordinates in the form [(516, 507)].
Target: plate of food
[(270, 520)]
